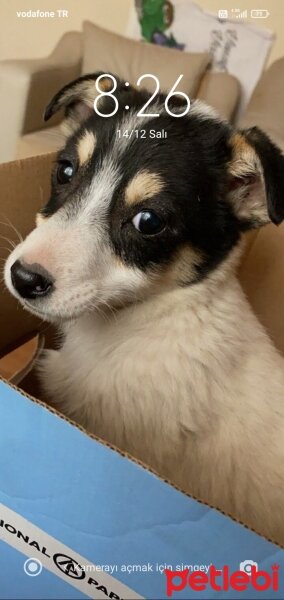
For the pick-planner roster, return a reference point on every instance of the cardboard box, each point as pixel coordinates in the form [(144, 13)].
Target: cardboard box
[(80, 519)]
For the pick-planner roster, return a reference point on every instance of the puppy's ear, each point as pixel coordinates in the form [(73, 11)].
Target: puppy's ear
[(256, 178), (77, 100)]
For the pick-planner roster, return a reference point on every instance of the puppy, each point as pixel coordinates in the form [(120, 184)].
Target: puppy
[(135, 256)]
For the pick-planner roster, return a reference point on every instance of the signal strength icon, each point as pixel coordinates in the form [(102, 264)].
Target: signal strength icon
[(242, 15), (238, 14)]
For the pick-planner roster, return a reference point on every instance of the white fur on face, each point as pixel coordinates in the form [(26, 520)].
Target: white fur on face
[(77, 253)]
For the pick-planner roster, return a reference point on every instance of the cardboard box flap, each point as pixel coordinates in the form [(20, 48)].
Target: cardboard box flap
[(262, 277), (24, 188), (70, 495)]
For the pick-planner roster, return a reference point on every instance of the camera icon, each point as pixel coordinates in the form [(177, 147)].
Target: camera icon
[(32, 567), (247, 565)]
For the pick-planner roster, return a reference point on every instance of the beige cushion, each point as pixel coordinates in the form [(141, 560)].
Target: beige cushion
[(222, 91), (28, 85), (129, 59), (40, 142)]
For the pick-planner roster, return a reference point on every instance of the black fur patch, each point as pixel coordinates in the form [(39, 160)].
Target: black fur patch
[(273, 169), (192, 161)]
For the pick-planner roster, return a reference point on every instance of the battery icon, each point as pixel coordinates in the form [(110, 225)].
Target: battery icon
[(259, 14)]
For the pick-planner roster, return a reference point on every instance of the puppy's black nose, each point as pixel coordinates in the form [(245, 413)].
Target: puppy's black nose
[(32, 281)]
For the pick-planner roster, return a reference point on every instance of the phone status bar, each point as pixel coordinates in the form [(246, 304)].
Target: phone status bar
[(237, 13)]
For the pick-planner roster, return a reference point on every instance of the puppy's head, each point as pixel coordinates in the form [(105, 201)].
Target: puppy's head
[(133, 211)]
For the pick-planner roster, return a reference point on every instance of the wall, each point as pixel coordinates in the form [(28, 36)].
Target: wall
[(29, 38)]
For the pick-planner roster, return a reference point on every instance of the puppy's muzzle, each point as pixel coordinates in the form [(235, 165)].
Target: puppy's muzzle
[(31, 281)]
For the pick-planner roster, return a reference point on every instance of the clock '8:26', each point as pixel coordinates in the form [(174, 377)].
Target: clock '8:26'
[(110, 93)]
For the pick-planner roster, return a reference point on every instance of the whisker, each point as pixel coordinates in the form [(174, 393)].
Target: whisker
[(10, 224), (2, 237), (19, 236), (41, 194), (7, 249)]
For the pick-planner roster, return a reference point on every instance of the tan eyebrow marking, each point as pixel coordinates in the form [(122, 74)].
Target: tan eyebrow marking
[(144, 184), (86, 146)]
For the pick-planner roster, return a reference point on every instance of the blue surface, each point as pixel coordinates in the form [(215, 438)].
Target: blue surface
[(108, 509)]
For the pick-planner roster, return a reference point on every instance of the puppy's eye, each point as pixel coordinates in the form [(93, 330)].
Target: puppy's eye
[(148, 222), (65, 171)]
